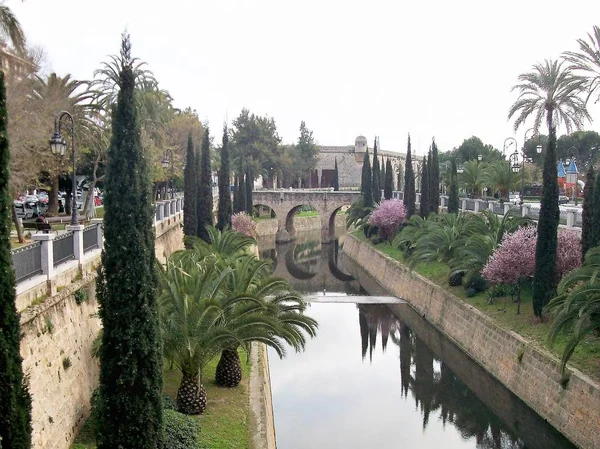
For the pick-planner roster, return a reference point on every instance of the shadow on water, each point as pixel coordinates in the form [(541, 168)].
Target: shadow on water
[(333, 396)]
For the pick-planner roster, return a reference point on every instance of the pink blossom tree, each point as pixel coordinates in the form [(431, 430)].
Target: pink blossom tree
[(244, 224), (387, 217)]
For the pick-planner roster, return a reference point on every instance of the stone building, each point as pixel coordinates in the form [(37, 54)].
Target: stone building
[(350, 161)]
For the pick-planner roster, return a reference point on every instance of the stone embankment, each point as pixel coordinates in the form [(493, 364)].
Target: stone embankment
[(530, 373)]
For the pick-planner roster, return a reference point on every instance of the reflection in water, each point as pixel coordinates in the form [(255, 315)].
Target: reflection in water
[(332, 397)]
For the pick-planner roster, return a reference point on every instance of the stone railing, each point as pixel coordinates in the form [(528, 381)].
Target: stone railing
[(54, 259)]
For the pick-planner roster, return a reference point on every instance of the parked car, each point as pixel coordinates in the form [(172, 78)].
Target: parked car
[(563, 199), (514, 198)]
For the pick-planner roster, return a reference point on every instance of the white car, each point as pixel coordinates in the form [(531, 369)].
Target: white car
[(514, 198)]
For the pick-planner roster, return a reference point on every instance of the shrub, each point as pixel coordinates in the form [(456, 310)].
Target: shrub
[(244, 224), (387, 217), (476, 282), (80, 295), (168, 403), (470, 292), (456, 278), (181, 431)]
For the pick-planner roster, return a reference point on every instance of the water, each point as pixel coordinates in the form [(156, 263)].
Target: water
[(373, 380)]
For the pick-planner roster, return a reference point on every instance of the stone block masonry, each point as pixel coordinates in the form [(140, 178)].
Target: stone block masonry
[(530, 373)]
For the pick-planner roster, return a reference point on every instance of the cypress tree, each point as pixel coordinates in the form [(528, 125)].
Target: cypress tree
[(434, 180), (368, 187), (236, 194), (376, 176), (205, 198), (587, 218), (336, 178), (453, 190), (249, 187), (224, 213), (409, 184), (15, 406), (364, 180), (544, 277), (424, 203), (190, 219), (389, 180), (430, 190), (130, 353), (241, 189), (596, 214), (383, 175)]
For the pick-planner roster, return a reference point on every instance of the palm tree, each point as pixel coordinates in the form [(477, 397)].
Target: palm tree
[(10, 29), (473, 178), (587, 60), (500, 176), (551, 91), (576, 308)]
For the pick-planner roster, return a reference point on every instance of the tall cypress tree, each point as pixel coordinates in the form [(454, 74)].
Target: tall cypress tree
[(376, 176), (205, 198), (430, 190), (15, 405), (249, 188), (434, 180), (544, 276), (336, 178), (383, 174), (130, 353), (596, 214), (453, 190), (364, 180), (587, 218), (241, 188), (224, 213), (409, 184), (389, 180), (368, 187), (424, 203), (190, 218)]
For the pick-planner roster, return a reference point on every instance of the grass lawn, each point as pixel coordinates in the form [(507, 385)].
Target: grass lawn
[(504, 312), (226, 420)]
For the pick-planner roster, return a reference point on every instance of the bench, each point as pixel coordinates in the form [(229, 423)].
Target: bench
[(40, 226)]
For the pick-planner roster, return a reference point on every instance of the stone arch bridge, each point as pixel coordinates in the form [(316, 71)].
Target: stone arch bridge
[(285, 203)]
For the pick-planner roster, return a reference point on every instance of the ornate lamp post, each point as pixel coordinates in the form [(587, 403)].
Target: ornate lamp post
[(167, 161), (58, 146), (480, 157), (572, 172), (507, 143)]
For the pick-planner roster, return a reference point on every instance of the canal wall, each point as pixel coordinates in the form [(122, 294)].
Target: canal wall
[(261, 401), (58, 328), (530, 373), (268, 227)]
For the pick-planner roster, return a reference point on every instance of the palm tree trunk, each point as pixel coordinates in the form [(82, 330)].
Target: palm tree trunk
[(191, 395), (229, 369), (53, 198), (18, 226)]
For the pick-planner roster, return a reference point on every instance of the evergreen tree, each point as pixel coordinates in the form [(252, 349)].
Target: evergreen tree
[(376, 176), (424, 203), (434, 180), (236, 195), (15, 403), (241, 188), (130, 353), (249, 188), (544, 277), (205, 197), (190, 218), (409, 184), (383, 174), (224, 213), (336, 178), (587, 218), (430, 190), (368, 186), (453, 190), (364, 180), (389, 180), (596, 214)]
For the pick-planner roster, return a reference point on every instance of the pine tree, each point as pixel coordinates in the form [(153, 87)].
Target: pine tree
[(424, 203), (587, 219), (15, 405), (434, 180), (453, 190), (596, 214), (544, 277), (249, 188), (224, 213), (376, 176), (388, 188), (130, 353), (336, 178), (368, 186), (409, 184), (205, 198), (190, 218)]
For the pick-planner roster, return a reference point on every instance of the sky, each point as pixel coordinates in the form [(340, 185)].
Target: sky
[(435, 68)]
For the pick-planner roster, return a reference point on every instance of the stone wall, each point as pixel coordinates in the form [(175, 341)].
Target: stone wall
[(532, 374), (58, 329), (261, 402), (302, 224)]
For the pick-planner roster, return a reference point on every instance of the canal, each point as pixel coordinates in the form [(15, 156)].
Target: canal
[(374, 379)]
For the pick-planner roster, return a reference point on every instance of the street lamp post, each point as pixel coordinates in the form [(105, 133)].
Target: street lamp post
[(58, 146), (522, 193), (572, 172), (167, 161), (510, 165)]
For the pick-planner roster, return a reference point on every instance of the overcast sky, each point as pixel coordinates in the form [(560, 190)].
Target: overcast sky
[(387, 68)]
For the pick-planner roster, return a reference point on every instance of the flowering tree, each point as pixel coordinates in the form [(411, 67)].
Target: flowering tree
[(388, 216), (244, 224)]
